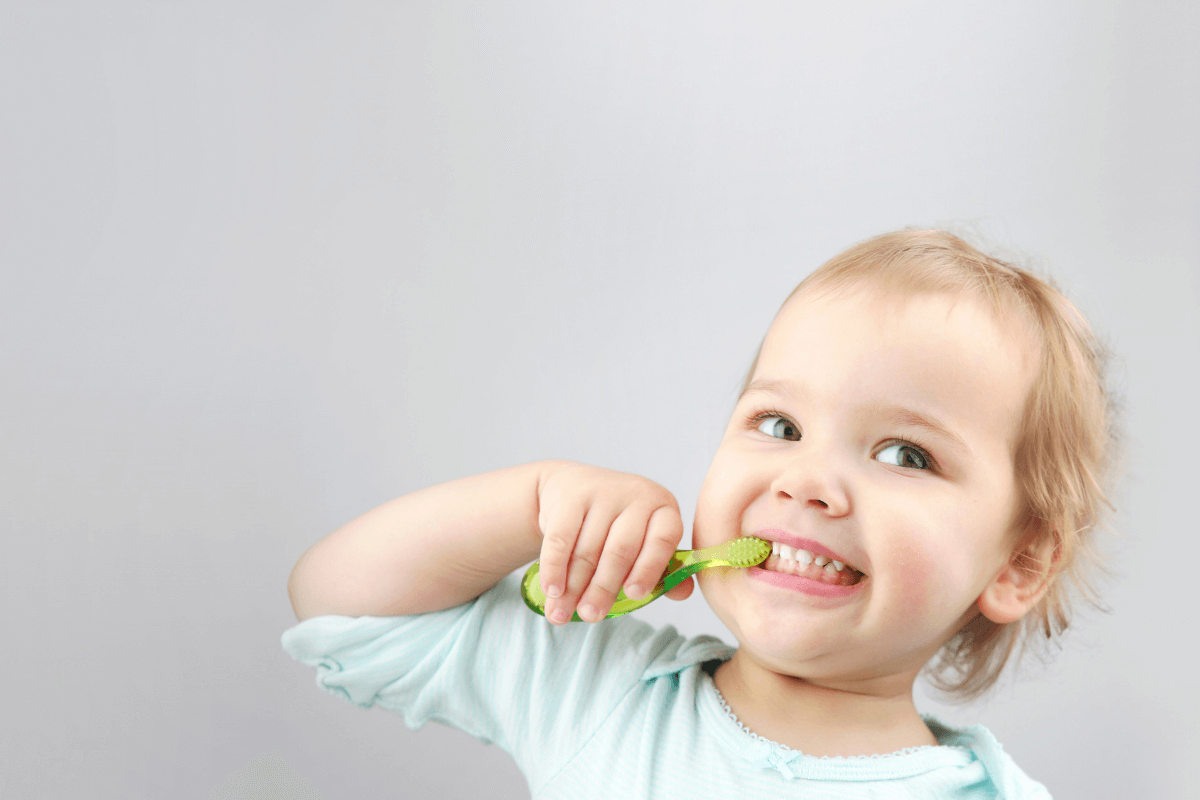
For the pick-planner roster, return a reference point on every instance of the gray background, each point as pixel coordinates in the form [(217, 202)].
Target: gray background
[(269, 264)]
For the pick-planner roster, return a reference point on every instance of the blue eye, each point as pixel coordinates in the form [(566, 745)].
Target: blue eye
[(903, 455), (779, 427)]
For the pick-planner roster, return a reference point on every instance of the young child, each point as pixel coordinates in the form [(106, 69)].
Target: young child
[(923, 436)]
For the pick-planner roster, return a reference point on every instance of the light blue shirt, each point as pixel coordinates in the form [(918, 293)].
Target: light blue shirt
[(615, 709)]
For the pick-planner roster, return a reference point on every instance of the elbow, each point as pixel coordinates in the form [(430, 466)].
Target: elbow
[(296, 594)]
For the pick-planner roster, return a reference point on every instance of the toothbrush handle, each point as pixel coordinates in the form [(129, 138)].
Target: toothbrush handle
[(675, 577), (680, 567)]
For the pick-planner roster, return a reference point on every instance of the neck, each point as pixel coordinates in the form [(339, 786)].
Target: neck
[(820, 719)]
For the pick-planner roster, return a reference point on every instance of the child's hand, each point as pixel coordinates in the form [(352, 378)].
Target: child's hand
[(602, 530)]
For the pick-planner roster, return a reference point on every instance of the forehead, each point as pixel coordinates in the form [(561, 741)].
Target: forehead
[(950, 356)]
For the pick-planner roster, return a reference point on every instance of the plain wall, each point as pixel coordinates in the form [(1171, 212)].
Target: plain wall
[(266, 265)]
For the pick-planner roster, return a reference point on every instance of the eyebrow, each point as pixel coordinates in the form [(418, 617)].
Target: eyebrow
[(893, 413)]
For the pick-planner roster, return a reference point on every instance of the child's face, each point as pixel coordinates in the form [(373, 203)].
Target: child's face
[(836, 446)]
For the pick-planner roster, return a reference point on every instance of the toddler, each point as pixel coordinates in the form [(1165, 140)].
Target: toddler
[(923, 437)]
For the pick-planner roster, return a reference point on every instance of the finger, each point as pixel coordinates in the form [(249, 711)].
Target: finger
[(621, 549), (684, 590), (663, 533), (584, 558), (560, 524)]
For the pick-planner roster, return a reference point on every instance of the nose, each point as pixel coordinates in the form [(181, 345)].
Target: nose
[(810, 476)]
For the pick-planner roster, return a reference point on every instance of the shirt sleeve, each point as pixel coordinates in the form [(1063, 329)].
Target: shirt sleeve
[(491, 668)]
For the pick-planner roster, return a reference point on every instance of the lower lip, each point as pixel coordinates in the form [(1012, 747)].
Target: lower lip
[(803, 585)]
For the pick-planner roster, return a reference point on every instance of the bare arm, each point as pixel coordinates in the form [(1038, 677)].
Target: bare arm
[(595, 529), (429, 550)]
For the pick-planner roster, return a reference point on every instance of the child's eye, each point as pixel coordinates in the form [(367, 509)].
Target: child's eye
[(777, 426), (905, 455)]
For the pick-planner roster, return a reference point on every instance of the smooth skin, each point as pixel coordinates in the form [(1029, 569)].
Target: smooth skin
[(593, 529)]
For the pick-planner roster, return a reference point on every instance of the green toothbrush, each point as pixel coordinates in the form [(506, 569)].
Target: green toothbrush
[(738, 553)]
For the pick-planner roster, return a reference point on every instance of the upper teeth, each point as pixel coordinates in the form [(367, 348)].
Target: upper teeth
[(804, 556)]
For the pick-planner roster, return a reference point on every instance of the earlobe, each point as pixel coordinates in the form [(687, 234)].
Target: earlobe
[(1019, 585)]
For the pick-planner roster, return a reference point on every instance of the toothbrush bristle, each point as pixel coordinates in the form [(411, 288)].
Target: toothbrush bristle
[(747, 551)]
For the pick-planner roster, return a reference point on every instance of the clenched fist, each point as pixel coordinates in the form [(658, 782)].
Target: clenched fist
[(603, 530)]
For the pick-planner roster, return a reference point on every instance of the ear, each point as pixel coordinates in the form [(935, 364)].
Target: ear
[(1020, 584)]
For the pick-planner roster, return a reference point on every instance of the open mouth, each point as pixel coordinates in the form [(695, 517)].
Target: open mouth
[(795, 561)]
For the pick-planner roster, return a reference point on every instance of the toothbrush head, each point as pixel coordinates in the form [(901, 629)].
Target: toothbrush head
[(748, 551)]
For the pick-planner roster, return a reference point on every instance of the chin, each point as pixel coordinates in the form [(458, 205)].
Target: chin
[(787, 654), (781, 638)]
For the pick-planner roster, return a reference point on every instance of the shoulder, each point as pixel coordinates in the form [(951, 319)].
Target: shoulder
[(617, 651), (626, 643), (1010, 780)]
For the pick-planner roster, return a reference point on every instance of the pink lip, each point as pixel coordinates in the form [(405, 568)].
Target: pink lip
[(803, 585), (816, 548)]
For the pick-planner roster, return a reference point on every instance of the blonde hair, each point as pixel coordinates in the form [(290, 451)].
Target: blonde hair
[(1066, 444)]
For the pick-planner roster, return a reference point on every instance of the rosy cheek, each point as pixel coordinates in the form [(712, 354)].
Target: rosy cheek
[(718, 509), (914, 573)]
